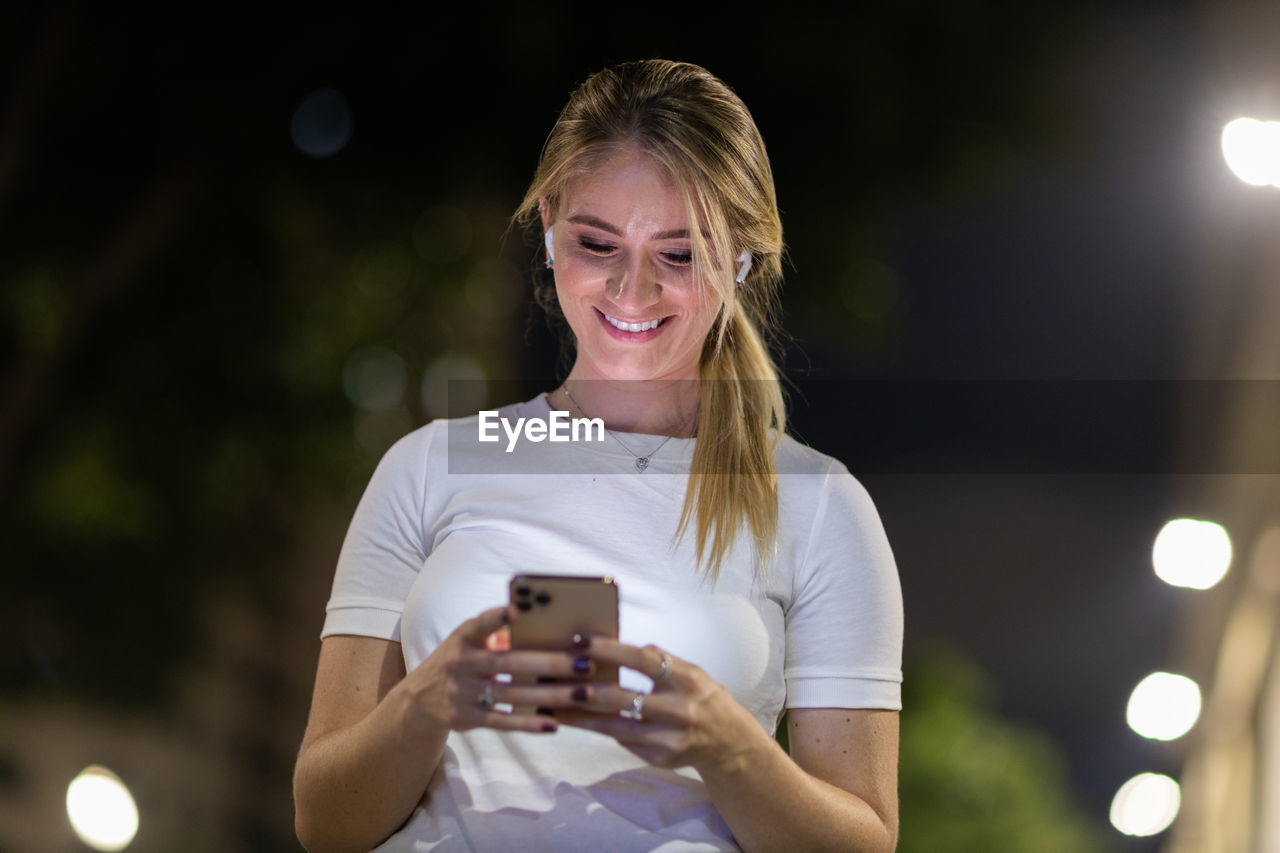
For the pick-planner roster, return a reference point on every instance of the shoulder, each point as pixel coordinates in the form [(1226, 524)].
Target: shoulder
[(412, 451), (828, 507), (805, 471), (792, 457)]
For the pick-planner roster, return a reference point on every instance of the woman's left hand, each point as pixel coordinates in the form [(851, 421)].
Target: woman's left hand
[(688, 720)]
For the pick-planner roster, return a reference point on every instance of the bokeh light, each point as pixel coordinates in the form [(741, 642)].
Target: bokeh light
[(452, 385), (1252, 150), (101, 809), (1164, 706), (374, 378), (1190, 553), (321, 125), (1146, 804)]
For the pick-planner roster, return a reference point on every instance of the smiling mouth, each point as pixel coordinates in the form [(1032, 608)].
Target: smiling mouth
[(634, 327)]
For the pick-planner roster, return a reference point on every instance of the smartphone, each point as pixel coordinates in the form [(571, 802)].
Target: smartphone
[(551, 609)]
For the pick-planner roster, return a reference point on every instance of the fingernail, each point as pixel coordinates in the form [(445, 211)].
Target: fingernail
[(548, 727), (581, 640), (582, 664), (579, 694), (506, 617)]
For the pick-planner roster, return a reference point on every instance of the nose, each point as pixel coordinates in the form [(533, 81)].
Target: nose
[(637, 286)]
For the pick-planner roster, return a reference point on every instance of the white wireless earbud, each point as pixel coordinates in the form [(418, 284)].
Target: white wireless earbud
[(745, 260), (551, 251)]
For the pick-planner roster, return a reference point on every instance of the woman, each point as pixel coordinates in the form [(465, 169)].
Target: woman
[(753, 572)]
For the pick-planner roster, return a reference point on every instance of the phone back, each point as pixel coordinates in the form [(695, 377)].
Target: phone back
[(551, 609)]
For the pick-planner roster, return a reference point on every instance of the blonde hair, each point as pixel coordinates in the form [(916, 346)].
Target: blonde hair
[(701, 132)]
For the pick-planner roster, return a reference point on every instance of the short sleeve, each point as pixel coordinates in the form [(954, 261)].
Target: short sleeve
[(844, 626), (385, 546)]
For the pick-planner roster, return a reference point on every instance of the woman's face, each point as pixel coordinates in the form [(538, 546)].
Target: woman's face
[(624, 273)]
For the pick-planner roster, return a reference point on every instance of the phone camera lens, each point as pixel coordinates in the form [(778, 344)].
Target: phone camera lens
[(543, 598), (523, 606), (523, 591)]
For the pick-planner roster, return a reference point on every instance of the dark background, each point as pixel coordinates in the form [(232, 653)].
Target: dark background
[(972, 194)]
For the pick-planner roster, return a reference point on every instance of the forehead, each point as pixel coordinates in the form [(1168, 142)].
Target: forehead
[(628, 188)]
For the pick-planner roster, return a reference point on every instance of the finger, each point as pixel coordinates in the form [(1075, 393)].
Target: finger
[(527, 662), (654, 744), (477, 700), (647, 660), (621, 729), (475, 631), (665, 709), (600, 700), (567, 696), (612, 725), (535, 723), (499, 640)]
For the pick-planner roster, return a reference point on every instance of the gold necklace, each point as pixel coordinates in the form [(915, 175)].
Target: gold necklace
[(642, 462)]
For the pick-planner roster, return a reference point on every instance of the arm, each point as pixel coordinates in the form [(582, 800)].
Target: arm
[(376, 735), (361, 768), (838, 790), (839, 793)]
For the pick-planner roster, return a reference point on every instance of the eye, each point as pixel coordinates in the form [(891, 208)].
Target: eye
[(678, 259), (594, 247)]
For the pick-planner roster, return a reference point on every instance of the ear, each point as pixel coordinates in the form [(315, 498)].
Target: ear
[(544, 210)]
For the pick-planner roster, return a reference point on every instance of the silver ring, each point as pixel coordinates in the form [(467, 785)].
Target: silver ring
[(486, 699), (664, 670), (637, 706)]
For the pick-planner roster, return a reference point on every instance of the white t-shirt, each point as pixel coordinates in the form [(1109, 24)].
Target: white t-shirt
[(447, 519)]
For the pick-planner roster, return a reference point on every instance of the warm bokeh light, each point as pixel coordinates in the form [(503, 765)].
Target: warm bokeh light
[(1252, 150), (101, 809), (1164, 706), (1146, 804), (1191, 553)]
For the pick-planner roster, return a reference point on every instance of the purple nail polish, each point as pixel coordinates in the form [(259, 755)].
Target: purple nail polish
[(579, 693), (548, 727), (581, 641), (582, 664)]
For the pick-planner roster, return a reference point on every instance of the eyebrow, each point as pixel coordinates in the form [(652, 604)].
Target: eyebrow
[(594, 222)]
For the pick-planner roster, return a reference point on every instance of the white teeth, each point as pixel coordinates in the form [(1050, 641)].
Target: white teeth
[(634, 327)]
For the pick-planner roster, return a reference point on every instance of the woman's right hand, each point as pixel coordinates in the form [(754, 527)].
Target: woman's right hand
[(455, 687), (375, 735)]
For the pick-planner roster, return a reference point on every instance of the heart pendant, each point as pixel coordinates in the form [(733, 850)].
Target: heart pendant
[(642, 462)]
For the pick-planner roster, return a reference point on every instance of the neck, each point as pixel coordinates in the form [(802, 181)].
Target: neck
[(656, 407)]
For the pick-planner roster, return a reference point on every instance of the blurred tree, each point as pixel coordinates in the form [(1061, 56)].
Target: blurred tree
[(971, 782)]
